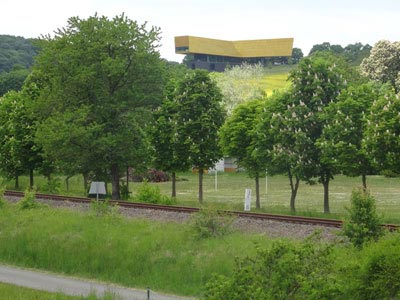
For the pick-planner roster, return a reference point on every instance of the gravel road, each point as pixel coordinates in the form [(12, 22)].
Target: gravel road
[(73, 286)]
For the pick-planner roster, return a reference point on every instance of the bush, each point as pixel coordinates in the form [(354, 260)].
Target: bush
[(209, 223), (380, 273), (124, 191), (29, 200), (2, 200), (363, 224), (151, 194), (102, 208), (284, 271), (52, 186)]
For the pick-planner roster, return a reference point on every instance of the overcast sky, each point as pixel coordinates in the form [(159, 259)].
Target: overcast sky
[(309, 22)]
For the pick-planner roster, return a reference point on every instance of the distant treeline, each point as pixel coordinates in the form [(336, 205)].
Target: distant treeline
[(16, 58)]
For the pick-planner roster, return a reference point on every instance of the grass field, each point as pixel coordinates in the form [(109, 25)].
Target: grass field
[(163, 256)]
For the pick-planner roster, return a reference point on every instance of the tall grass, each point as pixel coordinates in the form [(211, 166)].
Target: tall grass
[(140, 253)]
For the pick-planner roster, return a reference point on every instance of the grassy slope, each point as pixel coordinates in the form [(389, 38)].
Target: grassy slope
[(132, 252)]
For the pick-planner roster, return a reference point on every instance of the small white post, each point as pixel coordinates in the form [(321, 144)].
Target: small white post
[(216, 180), (247, 200)]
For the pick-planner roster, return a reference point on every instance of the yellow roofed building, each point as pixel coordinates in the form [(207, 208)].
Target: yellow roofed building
[(216, 55)]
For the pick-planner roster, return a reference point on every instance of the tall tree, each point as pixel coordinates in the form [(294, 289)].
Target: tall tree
[(315, 83), (343, 131), (18, 152), (112, 68), (275, 138), (382, 136), (238, 140), (199, 117), (170, 153), (297, 55), (383, 64)]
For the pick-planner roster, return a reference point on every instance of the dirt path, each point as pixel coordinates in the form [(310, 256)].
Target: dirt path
[(73, 286)]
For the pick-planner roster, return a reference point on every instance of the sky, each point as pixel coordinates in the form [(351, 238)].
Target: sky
[(309, 22)]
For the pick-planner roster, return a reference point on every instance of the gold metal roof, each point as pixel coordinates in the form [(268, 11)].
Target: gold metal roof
[(243, 49)]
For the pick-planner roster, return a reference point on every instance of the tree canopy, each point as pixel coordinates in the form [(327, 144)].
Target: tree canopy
[(110, 71), (199, 117)]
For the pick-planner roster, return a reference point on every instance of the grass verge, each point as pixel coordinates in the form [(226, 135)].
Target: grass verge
[(131, 252)]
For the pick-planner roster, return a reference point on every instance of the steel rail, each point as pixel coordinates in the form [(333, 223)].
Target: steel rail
[(184, 209)]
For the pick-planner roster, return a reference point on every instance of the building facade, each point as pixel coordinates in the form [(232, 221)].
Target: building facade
[(216, 55)]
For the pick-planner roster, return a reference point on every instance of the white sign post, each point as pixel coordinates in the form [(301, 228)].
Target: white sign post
[(247, 200), (96, 188)]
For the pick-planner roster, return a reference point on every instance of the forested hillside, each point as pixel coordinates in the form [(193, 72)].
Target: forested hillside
[(15, 51), (16, 57)]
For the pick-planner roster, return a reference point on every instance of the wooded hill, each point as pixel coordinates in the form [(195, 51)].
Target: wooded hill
[(16, 50)]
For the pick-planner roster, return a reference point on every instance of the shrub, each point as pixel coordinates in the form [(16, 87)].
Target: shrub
[(363, 224), (284, 271), (2, 201), (103, 208), (209, 223), (29, 200), (381, 271), (52, 186), (151, 194), (124, 191)]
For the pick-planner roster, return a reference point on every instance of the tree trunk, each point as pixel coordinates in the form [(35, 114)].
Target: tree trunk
[(364, 182), (201, 171), (173, 184), (31, 178), (115, 194), (127, 181), (325, 182), (67, 183), (257, 179), (85, 183), (16, 182), (294, 188)]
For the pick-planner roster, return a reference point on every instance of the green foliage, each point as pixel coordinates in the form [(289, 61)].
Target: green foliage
[(18, 151), (198, 118), (238, 139), (382, 132), (211, 223), (379, 275), (110, 72), (2, 200), (364, 224), (353, 53), (284, 271), (29, 200), (343, 133), (16, 51), (103, 208), (151, 194), (124, 190), (52, 186), (12, 80)]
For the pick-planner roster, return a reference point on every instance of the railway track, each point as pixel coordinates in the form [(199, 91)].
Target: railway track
[(183, 209)]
